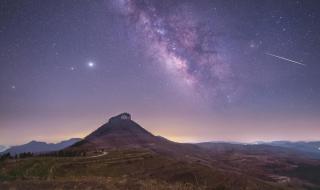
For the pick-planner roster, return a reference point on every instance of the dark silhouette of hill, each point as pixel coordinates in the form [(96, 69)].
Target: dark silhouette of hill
[(40, 147), (121, 132)]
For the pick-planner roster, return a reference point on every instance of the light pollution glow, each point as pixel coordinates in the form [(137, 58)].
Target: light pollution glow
[(207, 130)]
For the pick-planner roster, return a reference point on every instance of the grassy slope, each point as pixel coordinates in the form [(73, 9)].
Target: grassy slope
[(122, 170)]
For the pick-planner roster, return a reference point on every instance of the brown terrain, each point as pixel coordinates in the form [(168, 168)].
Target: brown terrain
[(123, 155)]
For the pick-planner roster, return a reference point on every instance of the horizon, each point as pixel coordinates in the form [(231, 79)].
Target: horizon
[(190, 71), (175, 139)]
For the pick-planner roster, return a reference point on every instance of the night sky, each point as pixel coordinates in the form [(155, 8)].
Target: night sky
[(188, 70)]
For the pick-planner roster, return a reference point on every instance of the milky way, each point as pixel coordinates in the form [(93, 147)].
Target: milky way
[(185, 46), (190, 69)]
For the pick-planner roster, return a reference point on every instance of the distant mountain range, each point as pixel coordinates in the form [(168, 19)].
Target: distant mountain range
[(311, 148), (122, 132), (40, 147), (2, 148)]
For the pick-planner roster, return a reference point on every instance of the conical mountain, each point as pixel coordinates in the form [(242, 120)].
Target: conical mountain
[(119, 132)]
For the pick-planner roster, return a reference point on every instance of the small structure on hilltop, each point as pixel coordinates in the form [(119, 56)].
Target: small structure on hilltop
[(120, 117), (125, 116)]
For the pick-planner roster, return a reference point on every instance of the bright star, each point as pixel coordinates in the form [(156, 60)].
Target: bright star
[(91, 64)]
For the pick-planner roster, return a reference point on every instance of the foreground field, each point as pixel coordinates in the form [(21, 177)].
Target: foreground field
[(115, 170), (129, 169), (122, 155)]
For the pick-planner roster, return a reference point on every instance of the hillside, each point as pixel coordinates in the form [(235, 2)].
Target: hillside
[(122, 155)]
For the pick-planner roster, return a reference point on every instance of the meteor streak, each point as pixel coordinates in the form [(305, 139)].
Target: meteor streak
[(286, 59)]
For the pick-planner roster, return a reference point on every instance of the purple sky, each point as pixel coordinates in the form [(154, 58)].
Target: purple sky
[(188, 70)]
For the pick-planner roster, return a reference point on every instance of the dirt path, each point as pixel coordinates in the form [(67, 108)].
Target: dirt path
[(96, 156)]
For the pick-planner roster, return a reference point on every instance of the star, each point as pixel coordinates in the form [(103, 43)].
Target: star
[(90, 64), (252, 45)]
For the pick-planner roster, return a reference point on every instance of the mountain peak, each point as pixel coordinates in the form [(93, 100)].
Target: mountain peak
[(33, 142), (120, 117), (119, 131)]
